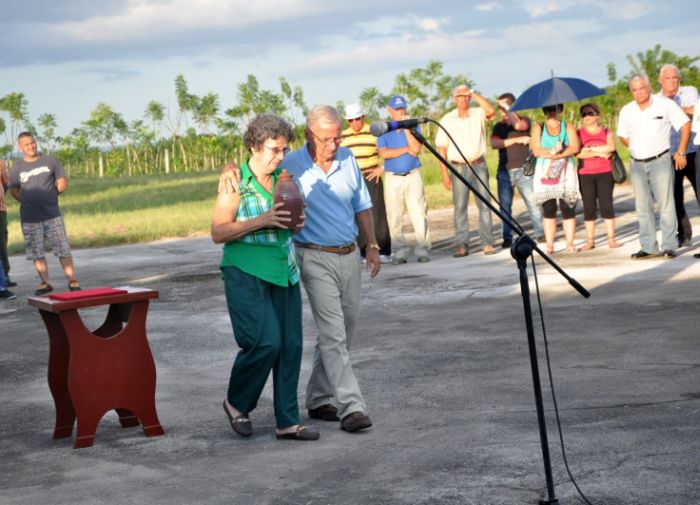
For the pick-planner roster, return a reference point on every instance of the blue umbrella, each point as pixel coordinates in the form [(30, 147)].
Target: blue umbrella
[(556, 90)]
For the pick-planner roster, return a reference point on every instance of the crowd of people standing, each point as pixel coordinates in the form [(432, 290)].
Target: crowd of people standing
[(356, 189), (354, 210)]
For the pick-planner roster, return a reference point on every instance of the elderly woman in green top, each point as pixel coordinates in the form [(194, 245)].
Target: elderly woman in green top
[(262, 284)]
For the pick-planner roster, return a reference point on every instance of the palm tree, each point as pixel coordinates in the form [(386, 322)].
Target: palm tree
[(205, 110), (155, 112), (15, 105), (48, 123), (650, 62), (373, 102)]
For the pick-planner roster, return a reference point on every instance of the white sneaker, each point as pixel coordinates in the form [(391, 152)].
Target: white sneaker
[(383, 258)]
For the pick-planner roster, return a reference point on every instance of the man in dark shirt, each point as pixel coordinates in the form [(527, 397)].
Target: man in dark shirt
[(35, 182), (511, 136)]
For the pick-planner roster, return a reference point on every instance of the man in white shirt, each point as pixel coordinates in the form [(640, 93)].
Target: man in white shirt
[(644, 126), (466, 125), (685, 97)]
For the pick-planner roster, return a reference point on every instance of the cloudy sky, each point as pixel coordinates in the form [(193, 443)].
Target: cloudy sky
[(68, 55)]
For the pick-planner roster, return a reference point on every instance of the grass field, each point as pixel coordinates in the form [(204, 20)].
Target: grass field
[(126, 210), (110, 211)]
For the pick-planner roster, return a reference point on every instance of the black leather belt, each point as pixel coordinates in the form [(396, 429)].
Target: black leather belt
[(402, 175), (646, 160), (345, 249), (472, 162)]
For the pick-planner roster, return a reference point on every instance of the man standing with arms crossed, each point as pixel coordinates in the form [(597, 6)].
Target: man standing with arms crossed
[(404, 185), (685, 97), (644, 126), (466, 126), (35, 182), (364, 147)]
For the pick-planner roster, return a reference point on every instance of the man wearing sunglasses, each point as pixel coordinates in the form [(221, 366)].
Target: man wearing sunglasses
[(363, 145)]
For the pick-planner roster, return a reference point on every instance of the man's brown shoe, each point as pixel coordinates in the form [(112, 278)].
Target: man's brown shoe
[(355, 421), (488, 249), (461, 251), (325, 412)]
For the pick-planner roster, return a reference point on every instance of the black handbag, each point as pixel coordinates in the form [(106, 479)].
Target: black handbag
[(619, 172), (529, 164)]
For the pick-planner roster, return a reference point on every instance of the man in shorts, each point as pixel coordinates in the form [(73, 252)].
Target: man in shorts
[(35, 182)]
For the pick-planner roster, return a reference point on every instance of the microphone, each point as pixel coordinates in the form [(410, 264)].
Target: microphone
[(381, 127)]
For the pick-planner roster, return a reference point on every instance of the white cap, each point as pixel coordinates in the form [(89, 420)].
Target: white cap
[(354, 110)]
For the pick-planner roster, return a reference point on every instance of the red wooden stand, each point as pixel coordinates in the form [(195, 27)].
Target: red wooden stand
[(91, 373)]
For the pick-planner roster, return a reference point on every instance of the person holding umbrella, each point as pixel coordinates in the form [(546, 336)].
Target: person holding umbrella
[(555, 181), (555, 143)]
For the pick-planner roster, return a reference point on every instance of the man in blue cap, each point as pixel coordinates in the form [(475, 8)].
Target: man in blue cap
[(403, 186)]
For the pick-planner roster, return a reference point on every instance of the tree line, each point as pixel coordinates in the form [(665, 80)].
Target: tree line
[(201, 135)]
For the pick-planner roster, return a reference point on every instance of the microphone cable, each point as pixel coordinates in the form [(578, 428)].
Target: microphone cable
[(516, 226), (551, 384)]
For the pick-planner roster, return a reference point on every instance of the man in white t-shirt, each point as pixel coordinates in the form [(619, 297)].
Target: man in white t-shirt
[(644, 126), (467, 126)]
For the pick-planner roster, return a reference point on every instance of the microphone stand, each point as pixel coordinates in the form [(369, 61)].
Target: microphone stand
[(521, 250)]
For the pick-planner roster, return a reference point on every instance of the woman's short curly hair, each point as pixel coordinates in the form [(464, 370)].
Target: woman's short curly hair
[(266, 126)]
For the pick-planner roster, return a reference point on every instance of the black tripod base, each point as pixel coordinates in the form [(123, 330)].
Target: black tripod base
[(522, 247), (549, 502)]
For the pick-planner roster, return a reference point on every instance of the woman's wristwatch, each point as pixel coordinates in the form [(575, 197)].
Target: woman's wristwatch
[(373, 245)]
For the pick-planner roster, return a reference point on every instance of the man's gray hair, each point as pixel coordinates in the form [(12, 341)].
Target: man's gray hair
[(460, 86), (323, 114), (639, 77), (669, 66)]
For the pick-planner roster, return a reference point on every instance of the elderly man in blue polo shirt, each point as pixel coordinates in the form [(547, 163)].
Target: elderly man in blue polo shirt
[(644, 126), (403, 186), (337, 203)]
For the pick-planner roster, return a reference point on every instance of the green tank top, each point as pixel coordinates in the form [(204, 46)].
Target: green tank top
[(267, 254)]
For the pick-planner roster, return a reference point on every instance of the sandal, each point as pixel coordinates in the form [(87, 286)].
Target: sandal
[(589, 245), (74, 286), (44, 289), (302, 433), (241, 424)]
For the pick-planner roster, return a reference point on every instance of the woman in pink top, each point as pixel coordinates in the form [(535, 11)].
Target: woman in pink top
[(595, 174)]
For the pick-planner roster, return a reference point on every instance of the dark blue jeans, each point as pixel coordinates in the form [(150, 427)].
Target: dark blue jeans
[(507, 181)]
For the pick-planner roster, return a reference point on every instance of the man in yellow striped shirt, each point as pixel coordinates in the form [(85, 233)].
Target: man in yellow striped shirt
[(364, 147)]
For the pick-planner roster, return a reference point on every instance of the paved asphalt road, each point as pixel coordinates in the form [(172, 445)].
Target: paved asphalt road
[(441, 355)]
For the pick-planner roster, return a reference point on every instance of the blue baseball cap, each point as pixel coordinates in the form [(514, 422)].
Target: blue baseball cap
[(398, 102)]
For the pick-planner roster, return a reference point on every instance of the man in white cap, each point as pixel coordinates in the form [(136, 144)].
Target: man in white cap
[(363, 145)]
